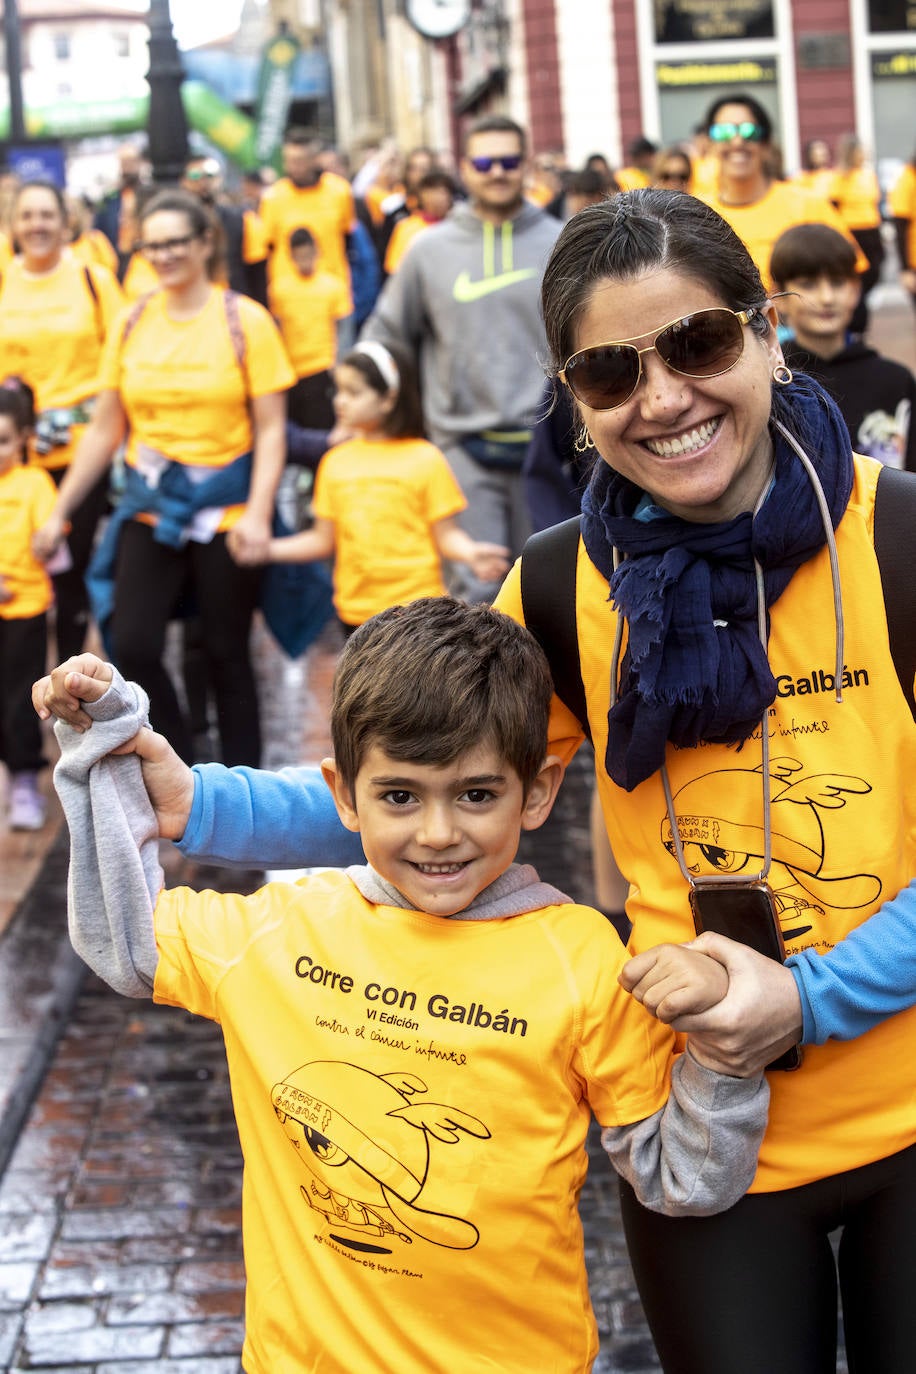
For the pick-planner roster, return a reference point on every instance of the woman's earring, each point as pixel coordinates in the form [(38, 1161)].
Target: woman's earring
[(782, 374), (583, 440)]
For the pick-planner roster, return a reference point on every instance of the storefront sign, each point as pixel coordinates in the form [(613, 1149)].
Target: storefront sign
[(893, 64), (672, 74), (705, 21)]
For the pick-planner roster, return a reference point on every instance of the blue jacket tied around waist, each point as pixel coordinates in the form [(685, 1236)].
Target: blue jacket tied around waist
[(295, 597)]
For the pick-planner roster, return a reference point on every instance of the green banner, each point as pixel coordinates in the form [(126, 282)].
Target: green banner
[(226, 127), (275, 84), (82, 119)]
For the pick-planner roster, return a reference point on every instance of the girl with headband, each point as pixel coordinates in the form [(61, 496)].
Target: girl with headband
[(386, 502)]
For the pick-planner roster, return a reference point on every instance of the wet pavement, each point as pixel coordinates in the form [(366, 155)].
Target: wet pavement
[(120, 1247)]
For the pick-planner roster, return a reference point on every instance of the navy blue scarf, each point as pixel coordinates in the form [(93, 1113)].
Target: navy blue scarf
[(684, 677)]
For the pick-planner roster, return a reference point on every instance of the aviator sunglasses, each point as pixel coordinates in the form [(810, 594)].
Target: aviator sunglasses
[(704, 344)]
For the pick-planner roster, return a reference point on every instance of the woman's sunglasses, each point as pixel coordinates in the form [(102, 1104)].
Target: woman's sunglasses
[(747, 129), (705, 344)]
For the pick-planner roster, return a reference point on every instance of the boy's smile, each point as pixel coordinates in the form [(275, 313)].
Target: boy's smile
[(441, 834)]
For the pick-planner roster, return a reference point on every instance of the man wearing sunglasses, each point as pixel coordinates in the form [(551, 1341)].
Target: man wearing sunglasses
[(758, 207), (465, 300)]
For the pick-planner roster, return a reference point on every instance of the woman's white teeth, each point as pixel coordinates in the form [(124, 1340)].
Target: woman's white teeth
[(684, 443)]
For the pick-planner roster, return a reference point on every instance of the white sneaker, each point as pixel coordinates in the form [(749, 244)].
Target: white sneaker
[(27, 806)]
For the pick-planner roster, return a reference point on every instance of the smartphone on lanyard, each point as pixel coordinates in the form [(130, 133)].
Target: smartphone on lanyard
[(745, 912)]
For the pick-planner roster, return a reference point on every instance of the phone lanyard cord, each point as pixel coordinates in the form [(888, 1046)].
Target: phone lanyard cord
[(699, 880)]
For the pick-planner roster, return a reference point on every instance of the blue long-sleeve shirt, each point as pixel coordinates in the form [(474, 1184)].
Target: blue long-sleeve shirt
[(248, 817)]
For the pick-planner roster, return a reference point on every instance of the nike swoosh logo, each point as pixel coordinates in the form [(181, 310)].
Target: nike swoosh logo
[(465, 291)]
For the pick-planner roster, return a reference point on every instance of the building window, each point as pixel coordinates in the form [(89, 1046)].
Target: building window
[(62, 46), (121, 44)]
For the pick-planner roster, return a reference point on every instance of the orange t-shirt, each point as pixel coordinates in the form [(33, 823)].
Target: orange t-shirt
[(27, 497), (180, 383), (858, 198), (51, 334), (383, 497), (94, 246), (783, 205), (402, 236), (307, 310), (326, 209)]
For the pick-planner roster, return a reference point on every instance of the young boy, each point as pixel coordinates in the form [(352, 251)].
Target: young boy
[(416, 1045), (817, 267), (307, 304)]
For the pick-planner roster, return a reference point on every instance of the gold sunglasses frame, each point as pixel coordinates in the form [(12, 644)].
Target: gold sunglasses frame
[(742, 316)]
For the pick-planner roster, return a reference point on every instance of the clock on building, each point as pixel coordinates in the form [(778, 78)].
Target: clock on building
[(438, 18)]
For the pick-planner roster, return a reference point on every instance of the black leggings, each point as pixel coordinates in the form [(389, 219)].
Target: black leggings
[(149, 580), (71, 599), (23, 649), (754, 1289)]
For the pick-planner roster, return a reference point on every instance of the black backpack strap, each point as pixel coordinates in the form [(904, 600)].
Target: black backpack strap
[(895, 527), (549, 606)]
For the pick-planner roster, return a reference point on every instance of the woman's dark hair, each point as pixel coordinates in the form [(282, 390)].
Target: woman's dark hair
[(42, 185), (201, 220), (406, 418), (640, 231), (17, 400), (758, 113)]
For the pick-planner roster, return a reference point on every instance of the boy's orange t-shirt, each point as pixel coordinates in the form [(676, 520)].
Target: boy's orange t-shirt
[(307, 310)]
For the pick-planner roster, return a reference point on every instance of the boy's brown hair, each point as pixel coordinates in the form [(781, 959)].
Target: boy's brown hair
[(430, 680), (812, 250)]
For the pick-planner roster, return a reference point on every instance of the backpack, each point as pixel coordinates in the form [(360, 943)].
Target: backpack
[(548, 584)]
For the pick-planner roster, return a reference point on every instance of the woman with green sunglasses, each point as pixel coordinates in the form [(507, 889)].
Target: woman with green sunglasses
[(756, 205)]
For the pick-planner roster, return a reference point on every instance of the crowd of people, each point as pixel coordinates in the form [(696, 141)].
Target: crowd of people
[(705, 592)]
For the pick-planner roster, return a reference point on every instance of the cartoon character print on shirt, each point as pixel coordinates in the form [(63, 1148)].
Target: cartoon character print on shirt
[(727, 836), (883, 436), (365, 1140)]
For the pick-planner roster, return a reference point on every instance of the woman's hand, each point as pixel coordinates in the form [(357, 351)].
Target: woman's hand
[(248, 541), (47, 538)]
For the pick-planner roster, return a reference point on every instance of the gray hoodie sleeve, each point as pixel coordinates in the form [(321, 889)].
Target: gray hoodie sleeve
[(698, 1154), (115, 875)]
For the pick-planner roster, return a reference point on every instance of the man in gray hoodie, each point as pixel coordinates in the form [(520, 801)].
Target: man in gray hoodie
[(466, 301)]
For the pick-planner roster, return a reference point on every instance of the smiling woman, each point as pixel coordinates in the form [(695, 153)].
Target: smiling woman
[(725, 506)]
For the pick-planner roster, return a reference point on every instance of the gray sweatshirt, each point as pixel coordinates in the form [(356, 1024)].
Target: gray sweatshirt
[(695, 1156), (466, 301)]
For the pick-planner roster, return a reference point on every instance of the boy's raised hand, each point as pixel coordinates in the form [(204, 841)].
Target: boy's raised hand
[(672, 981), (62, 692), (168, 780)]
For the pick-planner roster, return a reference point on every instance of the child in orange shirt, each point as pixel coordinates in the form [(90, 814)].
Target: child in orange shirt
[(307, 304), (27, 497), (386, 501)]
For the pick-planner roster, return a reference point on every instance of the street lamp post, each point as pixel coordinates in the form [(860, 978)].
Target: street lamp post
[(14, 70), (167, 130)]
